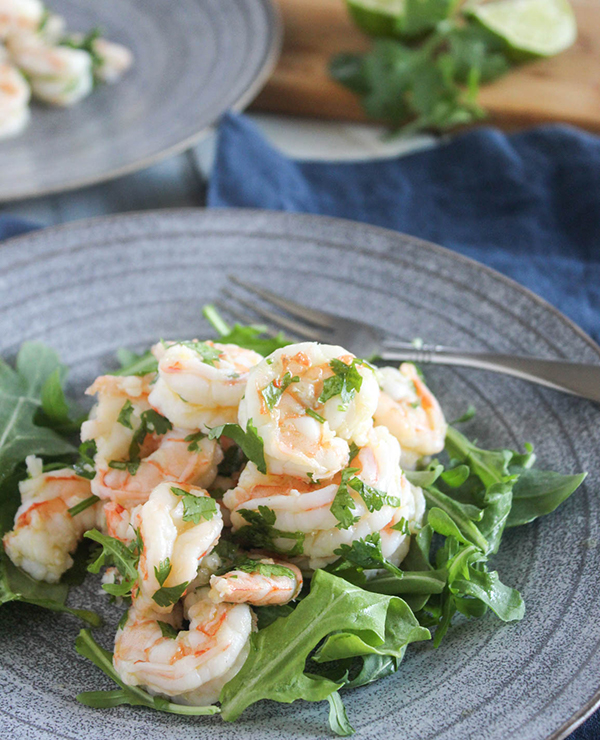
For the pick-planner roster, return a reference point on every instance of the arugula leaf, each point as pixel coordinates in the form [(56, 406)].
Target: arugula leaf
[(248, 439), (87, 647), (261, 534), (134, 364), (20, 403), (275, 667), (83, 505), (539, 492), (276, 388), (56, 411), (249, 337), (338, 719), (464, 516), (424, 478), (266, 615), (486, 587), (343, 505), (195, 508)]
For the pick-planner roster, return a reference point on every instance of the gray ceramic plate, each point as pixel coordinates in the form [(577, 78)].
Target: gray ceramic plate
[(194, 59), (91, 287)]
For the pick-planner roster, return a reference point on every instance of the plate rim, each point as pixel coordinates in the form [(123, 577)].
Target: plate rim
[(272, 54), (593, 704)]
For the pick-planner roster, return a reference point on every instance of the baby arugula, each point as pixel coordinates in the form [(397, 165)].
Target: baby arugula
[(35, 419)]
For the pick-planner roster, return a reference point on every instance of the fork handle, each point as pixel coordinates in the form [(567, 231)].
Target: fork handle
[(579, 379)]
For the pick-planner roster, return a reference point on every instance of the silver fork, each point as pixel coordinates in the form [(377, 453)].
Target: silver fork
[(304, 323)]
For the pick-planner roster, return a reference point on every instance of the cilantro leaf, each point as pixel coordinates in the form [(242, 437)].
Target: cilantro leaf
[(167, 630), (85, 465), (194, 441), (343, 506), (196, 508), (261, 534), (167, 595), (269, 570), (210, 355), (131, 466), (248, 439), (151, 422), (87, 647), (124, 417), (374, 499), (162, 570), (273, 392), (346, 382)]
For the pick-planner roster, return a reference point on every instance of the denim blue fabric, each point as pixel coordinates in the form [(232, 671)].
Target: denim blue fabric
[(526, 204)]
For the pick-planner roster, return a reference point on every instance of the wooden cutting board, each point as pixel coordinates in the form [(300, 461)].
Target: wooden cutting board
[(565, 88)]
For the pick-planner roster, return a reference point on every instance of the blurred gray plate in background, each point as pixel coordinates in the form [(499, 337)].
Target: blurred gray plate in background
[(194, 59), (91, 287)]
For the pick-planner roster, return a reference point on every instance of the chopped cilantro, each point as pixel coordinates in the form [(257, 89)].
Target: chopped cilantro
[(167, 630), (318, 417), (261, 533), (85, 466), (273, 392), (345, 382), (373, 498), (402, 526), (131, 466), (269, 570), (251, 444), (210, 355), (162, 570), (194, 441), (151, 422), (83, 505), (342, 505), (195, 508), (165, 596), (124, 416)]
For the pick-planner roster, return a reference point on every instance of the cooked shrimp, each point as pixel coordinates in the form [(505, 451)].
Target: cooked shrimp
[(45, 534), (115, 395), (14, 101), (192, 667), (58, 75), (113, 60), (272, 582), (302, 434), (200, 384), (173, 461), (302, 508), (411, 412), (170, 535), (20, 17)]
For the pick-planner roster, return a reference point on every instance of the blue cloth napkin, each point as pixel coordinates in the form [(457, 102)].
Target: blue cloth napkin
[(527, 205)]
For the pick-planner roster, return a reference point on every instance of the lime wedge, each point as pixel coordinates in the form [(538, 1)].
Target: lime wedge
[(376, 17), (538, 28)]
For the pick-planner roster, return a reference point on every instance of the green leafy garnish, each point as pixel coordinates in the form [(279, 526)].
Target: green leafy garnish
[(168, 630), (269, 570), (134, 364), (131, 466), (162, 570), (117, 553), (167, 595), (124, 416), (151, 422), (261, 534), (338, 719), (251, 444), (374, 499), (83, 505), (273, 392), (85, 466), (132, 695), (195, 508), (210, 355), (314, 415), (343, 506), (346, 382), (249, 337), (356, 623), (194, 441)]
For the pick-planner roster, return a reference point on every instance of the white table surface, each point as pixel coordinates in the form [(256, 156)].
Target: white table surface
[(180, 181)]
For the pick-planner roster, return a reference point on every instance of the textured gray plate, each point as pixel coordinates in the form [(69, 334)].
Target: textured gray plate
[(194, 59), (91, 287)]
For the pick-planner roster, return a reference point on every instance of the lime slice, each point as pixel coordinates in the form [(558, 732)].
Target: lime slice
[(376, 17), (539, 28)]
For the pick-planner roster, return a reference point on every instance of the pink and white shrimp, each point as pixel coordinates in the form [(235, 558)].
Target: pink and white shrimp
[(189, 667), (174, 536), (308, 402), (200, 384), (19, 17), (304, 510), (14, 101), (411, 412), (271, 582), (45, 534)]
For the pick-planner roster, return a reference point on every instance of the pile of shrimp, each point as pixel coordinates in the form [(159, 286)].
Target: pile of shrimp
[(328, 423), (39, 58)]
